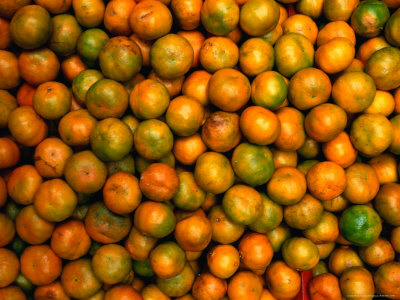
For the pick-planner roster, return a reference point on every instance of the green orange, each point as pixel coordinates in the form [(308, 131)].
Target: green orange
[(269, 90), (360, 225), (270, 218), (219, 17)]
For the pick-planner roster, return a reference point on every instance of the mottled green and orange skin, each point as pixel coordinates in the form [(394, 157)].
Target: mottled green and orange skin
[(300, 253), (387, 203), (154, 219), (357, 282), (270, 218), (371, 134), (193, 233), (311, 8), (293, 52), (78, 279), (221, 131), (65, 35), (52, 100), (189, 196), (242, 204), (111, 263), (252, 163), (220, 17), (171, 56), (369, 18), (89, 45), (339, 10), (292, 135), (304, 214), (120, 59), (107, 98), (89, 13), (104, 226), (139, 245), (9, 7), (387, 279), (9, 73), (149, 99), (258, 17), (179, 285), (269, 90), (224, 231), (392, 29), (7, 104), (395, 145), (82, 83), (111, 139), (360, 225), (308, 88), (85, 173), (167, 260), (256, 55), (153, 139), (384, 68), (217, 53), (184, 115), (55, 201), (31, 27)]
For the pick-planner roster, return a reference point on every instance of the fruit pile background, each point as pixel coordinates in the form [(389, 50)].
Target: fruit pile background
[(189, 149)]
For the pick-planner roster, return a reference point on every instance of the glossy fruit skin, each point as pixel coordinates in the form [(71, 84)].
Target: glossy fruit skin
[(65, 35), (385, 283), (31, 27), (369, 17), (219, 17), (387, 203), (10, 75), (90, 43), (360, 224)]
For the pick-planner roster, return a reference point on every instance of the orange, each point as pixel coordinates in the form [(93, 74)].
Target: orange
[(9, 267), (269, 90), (228, 89), (82, 83), (111, 263), (218, 53), (383, 103), (339, 10), (7, 230), (326, 180), (335, 55), (283, 281), (116, 17), (278, 235), (387, 203), (184, 115), (7, 104), (325, 231), (293, 52), (152, 292), (362, 183), (121, 193), (104, 226), (370, 46), (284, 158), (357, 282), (72, 66), (324, 287), (154, 219), (371, 134), (23, 183), (340, 150), (139, 245), (9, 153), (193, 233), (10, 76), (305, 214), (187, 13), (224, 230), (256, 55), (255, 23), (335, 29), (209, 287), (167, 260), (310, 149), (196, 86), (50, 157), (85, 173), (79, 280), (179, 285), (54, 200), (308, 88), (89, 13), (50, 291), (245, 284), (385, 168), (40, 265), (70, 240), (12, 293), (219, 18), (5, 40), (223, 261), (25, 95), (378, 253), (188, 149), (65, 35), (287, 186), (292, 135), (26, 126), (173, 86), (122, 292), (189, 195), (302, 24), (255, 251), (388, 284), (300, 253), (343, 258)]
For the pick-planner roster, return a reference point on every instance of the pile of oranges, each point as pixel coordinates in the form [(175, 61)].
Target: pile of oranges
[(208, 150)]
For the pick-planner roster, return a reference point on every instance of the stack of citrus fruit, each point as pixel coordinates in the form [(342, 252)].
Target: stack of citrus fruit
[(190, 149)]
